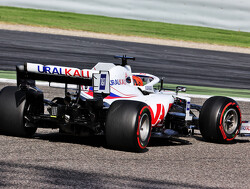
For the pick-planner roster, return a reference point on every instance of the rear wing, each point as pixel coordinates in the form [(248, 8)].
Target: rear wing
[(29, 72)]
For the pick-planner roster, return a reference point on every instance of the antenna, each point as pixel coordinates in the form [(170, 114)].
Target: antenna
[(125, 59)]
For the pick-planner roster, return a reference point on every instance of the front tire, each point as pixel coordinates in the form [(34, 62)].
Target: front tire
[(128, 125), (12, 113), (220, 119)]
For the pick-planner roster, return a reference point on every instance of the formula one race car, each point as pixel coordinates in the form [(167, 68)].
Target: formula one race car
[(110, 100)]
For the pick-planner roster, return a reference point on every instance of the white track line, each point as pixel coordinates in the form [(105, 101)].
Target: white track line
[(42, 83)]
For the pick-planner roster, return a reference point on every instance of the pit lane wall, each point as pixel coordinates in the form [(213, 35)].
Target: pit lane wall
[(224, 14)]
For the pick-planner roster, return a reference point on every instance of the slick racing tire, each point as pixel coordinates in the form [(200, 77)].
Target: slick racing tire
[(128, 125), (12, 120), (220, 119)]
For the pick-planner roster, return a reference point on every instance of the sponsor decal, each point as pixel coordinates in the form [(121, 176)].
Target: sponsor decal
[(49, 70), (118, 82), (62, 71), (188, 106), (245, 128), (149, 88), (102, 81)]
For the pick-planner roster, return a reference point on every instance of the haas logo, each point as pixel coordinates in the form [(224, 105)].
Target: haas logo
[(159, 116)]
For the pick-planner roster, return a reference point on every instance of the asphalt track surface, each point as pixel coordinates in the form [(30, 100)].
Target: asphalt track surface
[(177, 65), (51, 160)]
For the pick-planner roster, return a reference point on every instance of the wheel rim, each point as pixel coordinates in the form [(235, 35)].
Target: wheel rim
[(144, 127), (230, 121)]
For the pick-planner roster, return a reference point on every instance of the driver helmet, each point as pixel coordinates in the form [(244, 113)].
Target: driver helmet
[(137, 81)]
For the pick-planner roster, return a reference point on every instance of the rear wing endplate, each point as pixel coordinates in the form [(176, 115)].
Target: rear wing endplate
[(101, 83)]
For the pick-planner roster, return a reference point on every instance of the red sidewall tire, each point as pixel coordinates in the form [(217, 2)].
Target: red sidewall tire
[(212, 121), (142, 141), (229, 136), (124, 130)]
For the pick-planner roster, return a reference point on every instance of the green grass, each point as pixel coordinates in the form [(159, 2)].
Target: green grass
[(7, 74), (199, 90), (108, 25)]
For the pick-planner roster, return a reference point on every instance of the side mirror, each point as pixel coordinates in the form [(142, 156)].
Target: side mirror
[(180, 89)]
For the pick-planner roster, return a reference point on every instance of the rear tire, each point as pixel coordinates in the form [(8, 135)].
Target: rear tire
[(220, 119), (12, 114), (128, 125)]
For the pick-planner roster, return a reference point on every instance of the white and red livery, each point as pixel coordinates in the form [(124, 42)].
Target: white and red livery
[(107, 100)]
